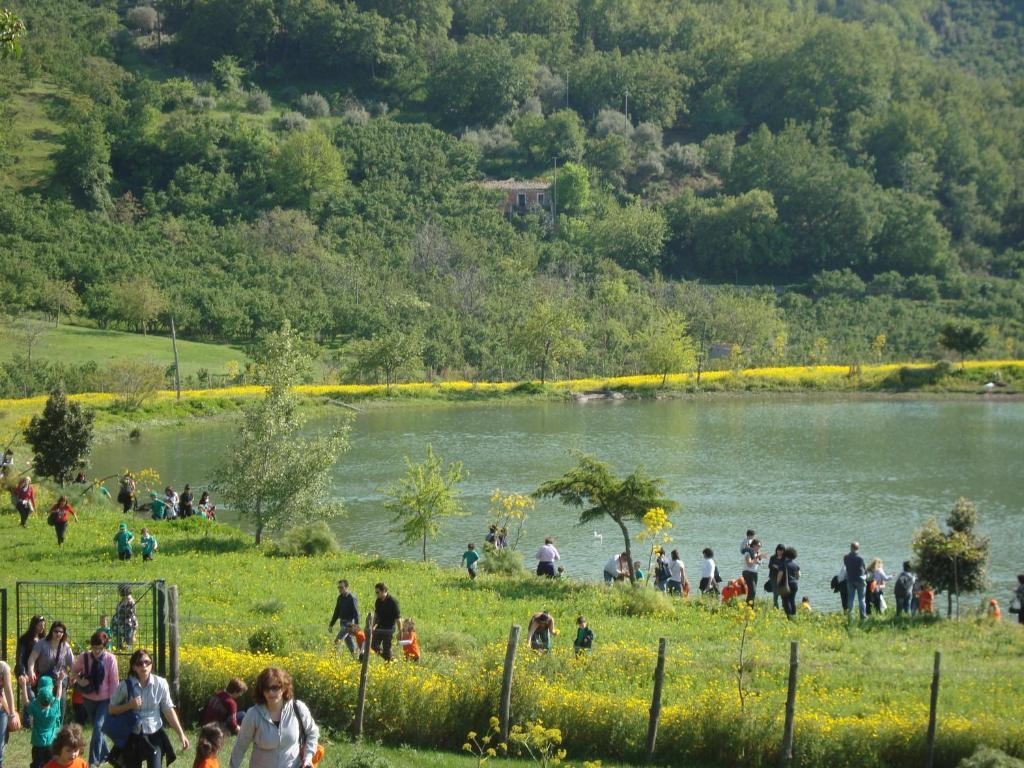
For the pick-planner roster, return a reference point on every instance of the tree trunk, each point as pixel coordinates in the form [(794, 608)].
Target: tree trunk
[(259, 524), (424, 547), (629, 552)]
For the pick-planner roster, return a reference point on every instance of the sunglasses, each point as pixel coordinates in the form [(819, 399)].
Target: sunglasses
[(144, 663), (274, 688)]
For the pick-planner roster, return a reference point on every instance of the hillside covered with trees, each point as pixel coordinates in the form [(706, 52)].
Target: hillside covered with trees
[(782, 182)]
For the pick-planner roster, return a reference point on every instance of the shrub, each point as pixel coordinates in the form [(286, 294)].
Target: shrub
[(367, 758), (292, 121), (270, 607), (258, 101), (268, 640), (987, 757), (450, 643), (313, 105), (528, 388), (203, 103), (356, 115), (641, 601), (505, 562), (143, 18), (306, 540)]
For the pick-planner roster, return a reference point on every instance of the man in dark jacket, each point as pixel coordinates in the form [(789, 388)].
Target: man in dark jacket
[(855, 579), (385, 618), (346, 610)]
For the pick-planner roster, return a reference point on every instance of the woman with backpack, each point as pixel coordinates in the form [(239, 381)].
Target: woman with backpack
[(279, 728), (787, 581), (60, 514), (52, 657), (96, 678), (903, 589)]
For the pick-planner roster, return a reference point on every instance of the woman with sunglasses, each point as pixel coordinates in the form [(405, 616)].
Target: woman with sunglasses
[(150, 696), (279, 727), (26, 644), (52, 657)]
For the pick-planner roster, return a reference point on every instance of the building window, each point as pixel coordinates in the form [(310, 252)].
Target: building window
[(541, 200), (521, 199)]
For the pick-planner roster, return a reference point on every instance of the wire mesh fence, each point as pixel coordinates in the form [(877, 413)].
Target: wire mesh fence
[(132, 613)]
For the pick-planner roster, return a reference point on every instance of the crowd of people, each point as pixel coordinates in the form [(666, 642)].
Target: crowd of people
[(60, 691)]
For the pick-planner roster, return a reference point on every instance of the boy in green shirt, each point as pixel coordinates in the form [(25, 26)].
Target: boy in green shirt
[(124, 539), (584, 637), (149, 544), (470, 558), (44, 710)]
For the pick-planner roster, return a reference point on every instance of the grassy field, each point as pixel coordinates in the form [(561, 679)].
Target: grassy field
[(36, 134), (863, 695), (76, 345)]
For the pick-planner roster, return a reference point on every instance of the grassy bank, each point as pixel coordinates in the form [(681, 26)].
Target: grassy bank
[(863, 696)]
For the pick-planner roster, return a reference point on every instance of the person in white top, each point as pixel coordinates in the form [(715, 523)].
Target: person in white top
[(547, 555), (677, 580), (752, 558), (616, 569), (708, 572), (876, 572)]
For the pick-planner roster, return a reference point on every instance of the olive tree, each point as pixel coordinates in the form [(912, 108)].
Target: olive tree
[(952, 561), (591, 486)]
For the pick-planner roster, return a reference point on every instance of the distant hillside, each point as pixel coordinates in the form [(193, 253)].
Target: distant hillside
[(808, 182)]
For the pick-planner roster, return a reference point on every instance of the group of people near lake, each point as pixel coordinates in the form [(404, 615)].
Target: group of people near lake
[(129, 716), (171, 506)]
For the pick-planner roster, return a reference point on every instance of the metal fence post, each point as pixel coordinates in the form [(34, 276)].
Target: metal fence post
[(174, 673), (161, 636)]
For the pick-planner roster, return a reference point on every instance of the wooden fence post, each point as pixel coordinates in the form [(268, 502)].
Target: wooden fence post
[(659, 681), (173, 642), (787, 737), (364, 670), (505, 704), (930, 757)]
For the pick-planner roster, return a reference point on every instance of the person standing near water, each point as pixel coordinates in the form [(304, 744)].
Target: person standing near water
[(752, 558), (547, 555), (855, 579)]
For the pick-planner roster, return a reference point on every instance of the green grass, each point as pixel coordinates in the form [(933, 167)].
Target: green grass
[(863, 696), (75, 345), (38, 136)]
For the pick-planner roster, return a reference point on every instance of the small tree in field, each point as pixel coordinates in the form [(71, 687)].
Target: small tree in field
[(425, 496), (665, 346), (60, 438), (953, 561), (592, 486), (962, 338), (275, 476), (133, 381)]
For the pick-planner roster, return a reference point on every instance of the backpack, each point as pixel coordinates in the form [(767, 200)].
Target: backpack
[(904, 583), (782, 583), (662, 571)]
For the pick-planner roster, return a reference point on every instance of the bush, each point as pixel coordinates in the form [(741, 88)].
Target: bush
[(292, 121), (504, 562), (356, 115), (305, 541), (367, 758), (142, 18), (987, 757), (270, 607), (203, 103), (313, 105), (641, 601), (450, 643), (268, 640), (258, 101)]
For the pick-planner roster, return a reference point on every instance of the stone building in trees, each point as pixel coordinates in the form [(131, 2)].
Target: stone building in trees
[(522, 196)]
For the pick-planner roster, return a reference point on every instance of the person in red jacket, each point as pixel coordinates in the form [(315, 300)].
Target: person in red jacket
[(60, 513), (24, 496)]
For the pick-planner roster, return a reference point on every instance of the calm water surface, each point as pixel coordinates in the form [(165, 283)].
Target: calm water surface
[(811, 473)]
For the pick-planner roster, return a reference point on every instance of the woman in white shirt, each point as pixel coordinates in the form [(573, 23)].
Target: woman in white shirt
[(708, 571), (546, 557), (150, 696), (677, 580)]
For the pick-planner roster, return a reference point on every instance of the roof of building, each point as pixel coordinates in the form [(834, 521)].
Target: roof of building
[(516, 184)]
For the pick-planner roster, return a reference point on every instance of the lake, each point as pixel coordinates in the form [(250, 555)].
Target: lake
[(809, 472)]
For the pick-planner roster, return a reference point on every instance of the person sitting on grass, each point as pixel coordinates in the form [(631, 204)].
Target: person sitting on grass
[(584, 637), (540, 631), (124, 538), (149, 545), (408, 641), (67, 748)]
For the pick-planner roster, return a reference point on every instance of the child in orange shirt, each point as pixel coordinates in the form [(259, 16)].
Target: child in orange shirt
[(211, 739), (67, 748), (407, 639), (926, 599)]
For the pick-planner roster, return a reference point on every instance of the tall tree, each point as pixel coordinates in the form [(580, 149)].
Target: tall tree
[(964, 338), (424, 497), (60, 438), (275, 476), (665, 347), (591, 486)]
